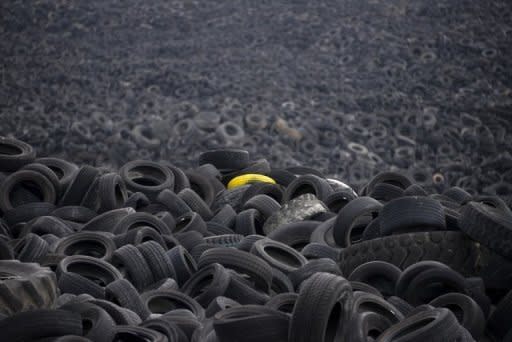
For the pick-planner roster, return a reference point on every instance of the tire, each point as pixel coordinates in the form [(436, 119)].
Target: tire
[(393, 178), (451, 248), (468, 312), (265, 205), (307, 184), (183, 263), (347, 218), (296, 235), (130, 333), (278, 255), (166, 328), (162, 302), (272, 190), (14, 154), (158, 261), (220, 303), (122, 293), (112, 192), (26, 286), (74, 213), (120, 315), (225, 159), (317, 250), (207, 284), (240, 261), (251, 323), (314, 266), (131, 261), (225, 216), (99, 325), (30, 248), (283, 302), (196, 203), (380, 274), (203, 186), (46, 188), (174, 204), (322, 309), (79, 185), (489, 226), (64, 170), (147, 177), (45, 171), (31, 325), (27, 212), (93, 244), (499, 321), (248, 222), (404, 214), (429, 325), (140, 219), (107, 221)]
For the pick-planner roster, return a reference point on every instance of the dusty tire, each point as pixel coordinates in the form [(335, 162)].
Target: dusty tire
[(451, 248), (26, 286)]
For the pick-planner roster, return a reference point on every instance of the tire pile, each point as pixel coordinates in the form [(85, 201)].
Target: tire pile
[(350, 87), (236, 250)]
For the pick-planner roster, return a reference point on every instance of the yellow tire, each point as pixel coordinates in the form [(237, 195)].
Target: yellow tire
[(249, 179)]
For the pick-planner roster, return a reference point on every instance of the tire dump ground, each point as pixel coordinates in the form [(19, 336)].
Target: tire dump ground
[(227, 171)]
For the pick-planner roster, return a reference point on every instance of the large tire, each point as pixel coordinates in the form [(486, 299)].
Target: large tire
[(451, 248), (26, 286)]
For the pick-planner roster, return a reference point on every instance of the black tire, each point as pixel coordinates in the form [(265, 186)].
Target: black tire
[(93, 244), (202, 186), (404, 214), (452, 248), (158, 261), (380, 274), (162, 302), (220, 303), (63, 169), (338, 199), (317, 250), (196, 203), (120, 315), (79, 185), (321, 310), (347, 219), (122, 293), (265, 205), (147, 177), (410, 272), (74, 213), (314, 266), (428, 325), (112, 192), (283, 302), (207, 284), (258, 270), (296, 234), (272, 190), (139, 235), (401, 304), (26, 286), (137, 200), (499, 321), (307, 184), (225, 159), (30, 248), (389, 177), (140, 219), (166, 328), (225, 216), (249, 222), (14, 154), (130, 333), (363, 287), (47, 172), (252, 323), (174, 204), (278, 255), (490, 226), (31, 325), (438, 282), (35, 179), (183, 263), (97, 323), (128, 259), (107, 221), (468, 312), (26, 212)]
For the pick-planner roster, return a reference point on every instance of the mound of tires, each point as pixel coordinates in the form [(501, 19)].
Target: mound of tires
[(236, 250)]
